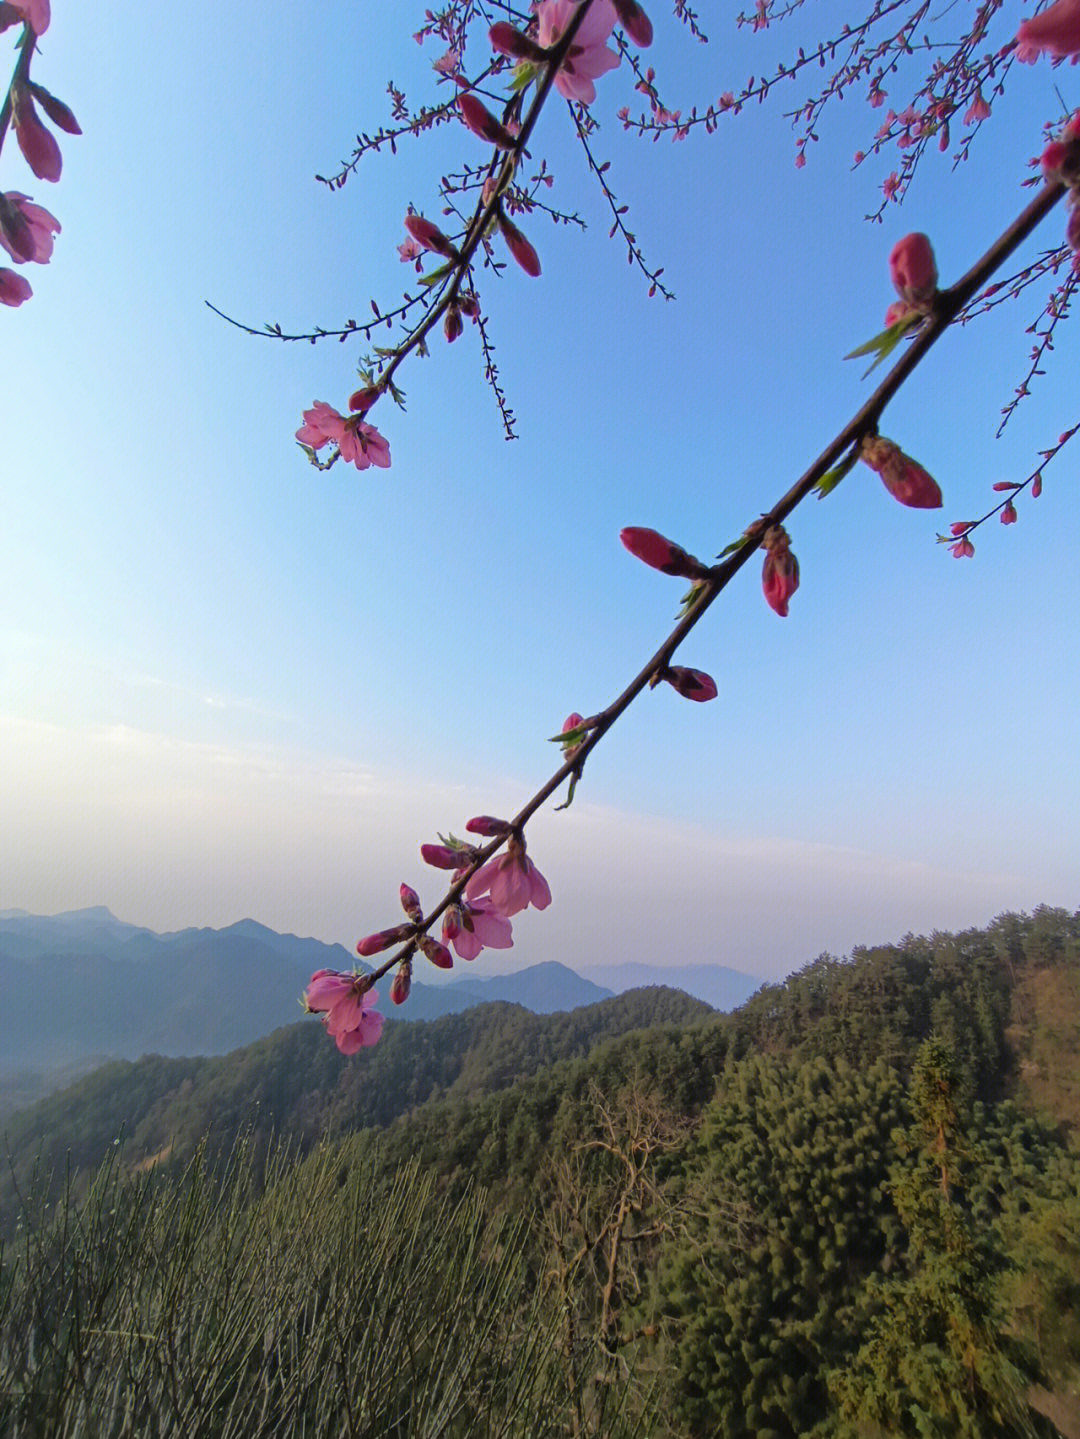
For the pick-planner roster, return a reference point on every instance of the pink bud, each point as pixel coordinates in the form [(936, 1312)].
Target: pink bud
[(519, 247), (13, 288), (469, 305), (453, 323), (59, 113), (961, 527), (376, 943), (482, 122), (691, 684), (635, 22), (430, 236), (488, 826), (401, 984), (898, 310), (507, 39), (780, 572), (362, 400), (441, 856), (913, 269), (1036, 487), (410, 903), (661, 554), (904, 479), (438, 953), (34, 12), (39, 147), (1008, 514)]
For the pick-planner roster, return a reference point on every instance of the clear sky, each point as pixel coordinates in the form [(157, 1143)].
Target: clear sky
[(232, 686)]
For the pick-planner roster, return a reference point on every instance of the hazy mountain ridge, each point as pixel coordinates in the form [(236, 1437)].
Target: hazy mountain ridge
[(102, 986)]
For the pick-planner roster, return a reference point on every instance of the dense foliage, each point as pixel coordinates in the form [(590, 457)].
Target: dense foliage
[(850, 1209)]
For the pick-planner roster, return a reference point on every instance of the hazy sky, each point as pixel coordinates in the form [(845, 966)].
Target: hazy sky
[(232, 686)]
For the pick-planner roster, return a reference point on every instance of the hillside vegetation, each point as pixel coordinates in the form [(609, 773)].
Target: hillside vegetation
[(851, 1208)]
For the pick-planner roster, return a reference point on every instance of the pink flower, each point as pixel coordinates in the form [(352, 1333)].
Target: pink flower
[(511, 879), (35, 13), (482, 122), (905, 480), (409, 249), (963, 549), (588, 57), (347, 1000), (473, 927), (780, 572), (359, 443), (1056, 29), (447, 64), (691, 684), (977, 110), (13, 288), (913, 269), (26, 230), (39, 147), (1008, 514), (662, 554)]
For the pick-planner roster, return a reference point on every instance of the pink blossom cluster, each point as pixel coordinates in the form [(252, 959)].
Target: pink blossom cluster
[(27, 230), (478, 919)]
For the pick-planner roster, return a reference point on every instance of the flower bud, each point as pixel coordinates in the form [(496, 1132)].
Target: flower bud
[(438, 953), (507, 39), (635, 22), (913, 269), (401, 984), (39, 147), (14, 289), (1036, 487), (963, 549), (961, 527), (482, 122), (430, 236), (897, 311), (469, 306), (780, 572), (488, 826), (59, 113), (453, 323), (410, 903), (905, 480), (362, 400), (691, 684), (519, 247), (441, 856), (376, 943), (662, 554), (1008, 514)]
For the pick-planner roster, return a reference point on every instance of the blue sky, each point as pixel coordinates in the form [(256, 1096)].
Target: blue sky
[(231, 685)]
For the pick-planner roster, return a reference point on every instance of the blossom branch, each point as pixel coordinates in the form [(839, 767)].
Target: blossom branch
[(857, 437)]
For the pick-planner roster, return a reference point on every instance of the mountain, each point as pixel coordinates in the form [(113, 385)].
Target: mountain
[(718, 986), (100, 986)]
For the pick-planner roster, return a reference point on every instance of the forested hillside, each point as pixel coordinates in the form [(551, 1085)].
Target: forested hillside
[(851, 1208)]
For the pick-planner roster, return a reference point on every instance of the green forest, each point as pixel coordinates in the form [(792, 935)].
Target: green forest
[(849, 1208)]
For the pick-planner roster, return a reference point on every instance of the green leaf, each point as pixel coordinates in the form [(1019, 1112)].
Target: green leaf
[(523, 77), (832, 478), (439, 273), (884, 344), (735, 545)]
